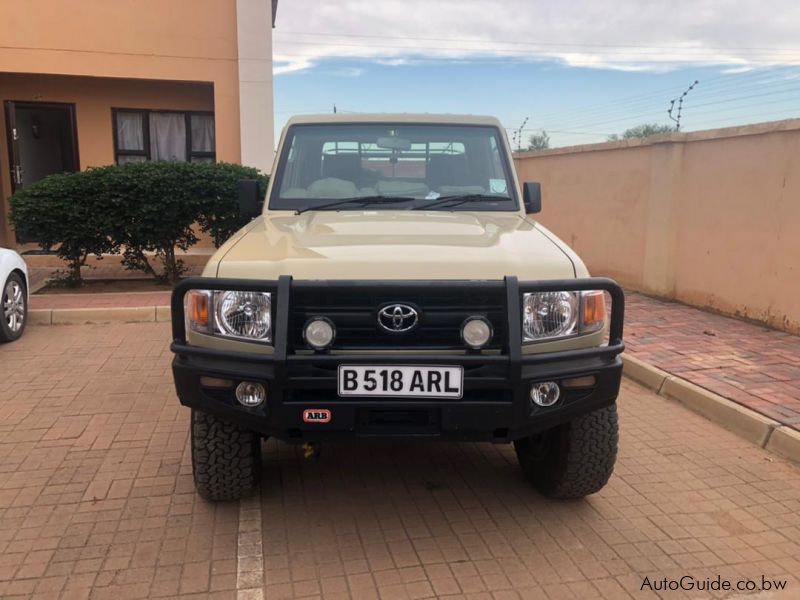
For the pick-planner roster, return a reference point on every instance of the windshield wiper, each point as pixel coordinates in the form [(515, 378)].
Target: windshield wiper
[(457, 199), (357, 200)]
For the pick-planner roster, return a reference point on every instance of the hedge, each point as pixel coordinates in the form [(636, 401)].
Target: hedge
[(144, 210), (60, 210)]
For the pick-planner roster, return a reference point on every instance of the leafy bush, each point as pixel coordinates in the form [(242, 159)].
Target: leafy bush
[(152, 208), (216, 189), (157, 203), (145, 209), (63, 211)]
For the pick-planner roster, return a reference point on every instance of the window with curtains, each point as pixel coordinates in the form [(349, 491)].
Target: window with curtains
[(163, 135)]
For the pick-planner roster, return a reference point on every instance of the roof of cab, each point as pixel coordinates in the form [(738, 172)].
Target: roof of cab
[(395, 118)]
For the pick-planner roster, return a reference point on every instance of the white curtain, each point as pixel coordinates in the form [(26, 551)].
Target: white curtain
[(130, 133), (123, 158), (167, 136), (202, 133)]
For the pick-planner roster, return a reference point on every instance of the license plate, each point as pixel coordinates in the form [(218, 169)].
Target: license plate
[(401, 381)]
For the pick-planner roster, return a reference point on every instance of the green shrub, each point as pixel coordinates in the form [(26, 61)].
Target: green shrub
[(152, 208), (157, 203), (216, 189), (62, 211), (145, 209)]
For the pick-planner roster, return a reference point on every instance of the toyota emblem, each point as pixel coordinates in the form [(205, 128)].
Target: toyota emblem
[(398, 318)]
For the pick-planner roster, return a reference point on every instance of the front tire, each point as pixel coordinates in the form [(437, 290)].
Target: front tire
[(575, 459), (226, 459), (13, 308)]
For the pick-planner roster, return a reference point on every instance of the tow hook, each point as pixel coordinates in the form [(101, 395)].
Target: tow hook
[(310, 450)]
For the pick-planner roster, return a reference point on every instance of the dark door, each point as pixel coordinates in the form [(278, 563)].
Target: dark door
[(42, 140)]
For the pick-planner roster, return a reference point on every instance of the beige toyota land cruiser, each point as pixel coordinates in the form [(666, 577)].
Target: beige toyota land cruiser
[(396, 284)]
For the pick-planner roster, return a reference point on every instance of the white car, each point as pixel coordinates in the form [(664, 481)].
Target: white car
[(14, 295)]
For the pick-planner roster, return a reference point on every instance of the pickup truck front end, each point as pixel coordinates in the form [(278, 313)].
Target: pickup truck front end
[(296, 389)]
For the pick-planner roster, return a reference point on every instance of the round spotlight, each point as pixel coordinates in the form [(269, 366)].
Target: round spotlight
[(545, 393), (249, 393), (319, 333), (476, 332)]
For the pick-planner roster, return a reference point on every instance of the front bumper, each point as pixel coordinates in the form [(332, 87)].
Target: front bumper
[(495, 405)]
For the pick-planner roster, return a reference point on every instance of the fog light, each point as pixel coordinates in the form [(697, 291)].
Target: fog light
[(476, 332), (319, 333), (250, 394), (545, 393)]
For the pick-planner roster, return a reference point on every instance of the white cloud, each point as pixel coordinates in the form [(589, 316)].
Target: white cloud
[(620, 34), (281, 66), (737, 70), (349, 72)]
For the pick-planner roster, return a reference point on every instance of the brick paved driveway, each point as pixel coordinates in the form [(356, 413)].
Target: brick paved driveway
[(752, 365), (96, 499)]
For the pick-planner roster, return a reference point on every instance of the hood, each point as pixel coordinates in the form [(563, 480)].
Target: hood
[(363, 244)]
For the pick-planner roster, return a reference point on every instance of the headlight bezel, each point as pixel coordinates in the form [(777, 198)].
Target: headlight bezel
[(215, 323), (576, 325)]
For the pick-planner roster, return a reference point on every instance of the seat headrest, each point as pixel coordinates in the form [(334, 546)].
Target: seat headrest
[(342, 166), (447, 169)]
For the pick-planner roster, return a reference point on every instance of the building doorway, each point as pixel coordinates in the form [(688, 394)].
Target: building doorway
[(42, 140)]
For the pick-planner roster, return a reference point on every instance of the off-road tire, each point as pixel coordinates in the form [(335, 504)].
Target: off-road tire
[(575, 459), (226, 459)]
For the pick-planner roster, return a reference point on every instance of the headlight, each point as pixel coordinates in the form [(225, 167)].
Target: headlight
[(241, 315), (548, 315)]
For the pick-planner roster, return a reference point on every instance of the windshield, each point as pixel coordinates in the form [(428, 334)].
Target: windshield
[(464, 167)]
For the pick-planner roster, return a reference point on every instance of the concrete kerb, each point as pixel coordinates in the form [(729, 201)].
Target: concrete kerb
[(786, 442), (744, 422), (79, 316)]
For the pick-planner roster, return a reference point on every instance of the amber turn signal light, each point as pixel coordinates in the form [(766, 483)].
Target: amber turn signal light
[(594, 310), (197, 309)]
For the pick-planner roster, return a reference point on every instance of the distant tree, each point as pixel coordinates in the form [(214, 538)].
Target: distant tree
[(641, 131), (539, 141)]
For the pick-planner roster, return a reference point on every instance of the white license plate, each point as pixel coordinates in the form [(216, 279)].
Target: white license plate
[(401, 381)]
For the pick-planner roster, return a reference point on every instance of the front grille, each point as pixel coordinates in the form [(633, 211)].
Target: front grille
[(354, 312)]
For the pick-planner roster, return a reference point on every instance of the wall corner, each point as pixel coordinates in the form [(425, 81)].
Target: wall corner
[(254, 37)]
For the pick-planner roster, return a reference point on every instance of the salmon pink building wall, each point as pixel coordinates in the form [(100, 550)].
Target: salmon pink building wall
[(179, 40), (210, 55), (710, 218)]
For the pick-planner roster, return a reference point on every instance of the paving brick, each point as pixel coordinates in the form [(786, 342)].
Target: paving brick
[(96, 498), (687, 497), (75, 453), (744, 362)]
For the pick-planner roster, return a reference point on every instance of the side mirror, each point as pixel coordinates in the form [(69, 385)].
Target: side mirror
[(250, 201), (532, 197)]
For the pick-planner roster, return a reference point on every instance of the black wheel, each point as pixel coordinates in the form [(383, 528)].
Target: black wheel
[(575, 459), (226, 460), (13, 308)]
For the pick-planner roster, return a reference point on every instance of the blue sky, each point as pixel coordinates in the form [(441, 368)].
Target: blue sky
[(574, 105), (579, 70)]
